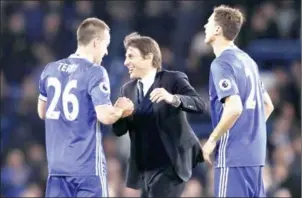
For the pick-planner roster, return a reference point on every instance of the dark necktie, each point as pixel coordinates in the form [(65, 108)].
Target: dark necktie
[(140, 91)]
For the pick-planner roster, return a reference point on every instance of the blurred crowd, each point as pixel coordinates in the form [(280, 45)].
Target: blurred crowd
[(34, 33)]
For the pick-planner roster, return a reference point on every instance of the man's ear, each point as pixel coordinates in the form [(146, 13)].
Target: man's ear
[(218, 30), (149, 56), (95, 42)]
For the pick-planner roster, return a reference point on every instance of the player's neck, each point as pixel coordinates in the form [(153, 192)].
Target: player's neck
[(82, 52), (220, 45)]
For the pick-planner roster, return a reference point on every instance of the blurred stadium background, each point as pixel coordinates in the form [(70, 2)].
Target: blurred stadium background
[(35, 32)]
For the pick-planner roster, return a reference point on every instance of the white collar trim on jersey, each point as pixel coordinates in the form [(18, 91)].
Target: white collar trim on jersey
[(78, 56)]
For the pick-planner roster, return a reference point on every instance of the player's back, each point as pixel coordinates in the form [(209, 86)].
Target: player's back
[(245, 143), (73, 137)]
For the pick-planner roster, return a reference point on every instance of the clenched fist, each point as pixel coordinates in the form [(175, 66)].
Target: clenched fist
[(126, 105)]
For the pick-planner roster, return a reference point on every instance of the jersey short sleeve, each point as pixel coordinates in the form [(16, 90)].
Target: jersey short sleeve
[(223, 79), (99, 86), (42, 86)]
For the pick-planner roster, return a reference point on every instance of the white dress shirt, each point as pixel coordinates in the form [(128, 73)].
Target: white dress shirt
[(147, 81)]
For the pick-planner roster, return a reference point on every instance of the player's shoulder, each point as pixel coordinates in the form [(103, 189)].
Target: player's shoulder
[(226, 59), (219, 63), (52, 63), (97, 70), (227, 56), (48, 68), (172, 74)]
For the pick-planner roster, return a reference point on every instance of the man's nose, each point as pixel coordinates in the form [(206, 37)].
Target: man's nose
[(126, 63)]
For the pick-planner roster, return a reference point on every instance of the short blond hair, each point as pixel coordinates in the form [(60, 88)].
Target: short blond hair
[(89, 29), (145, 45), (230, 20)]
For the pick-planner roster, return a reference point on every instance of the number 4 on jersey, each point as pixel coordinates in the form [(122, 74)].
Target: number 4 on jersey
[(67, 98)]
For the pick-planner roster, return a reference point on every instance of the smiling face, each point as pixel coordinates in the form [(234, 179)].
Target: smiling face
[(137, 65)]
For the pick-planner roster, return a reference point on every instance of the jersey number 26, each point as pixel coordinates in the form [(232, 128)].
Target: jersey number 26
[(67, 98)]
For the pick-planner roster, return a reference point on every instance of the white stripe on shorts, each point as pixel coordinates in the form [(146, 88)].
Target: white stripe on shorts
[(223, 181), (99, 161)]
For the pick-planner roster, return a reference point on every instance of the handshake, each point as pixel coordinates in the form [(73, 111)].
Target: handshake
[(126, 105)]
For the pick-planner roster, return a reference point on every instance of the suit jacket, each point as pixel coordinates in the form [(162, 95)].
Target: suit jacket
[(180, 142)]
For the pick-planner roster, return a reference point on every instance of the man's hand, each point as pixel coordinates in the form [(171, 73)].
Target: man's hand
[(160, 94), (208, 149), (126, 105)]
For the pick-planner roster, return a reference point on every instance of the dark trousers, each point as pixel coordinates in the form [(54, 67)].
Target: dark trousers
[(163, 182)]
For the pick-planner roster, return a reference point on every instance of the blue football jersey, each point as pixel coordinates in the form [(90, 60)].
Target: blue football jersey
[(72, 87), (231, 73)]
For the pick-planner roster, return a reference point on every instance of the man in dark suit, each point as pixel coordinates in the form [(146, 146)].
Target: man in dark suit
[(164, 148)]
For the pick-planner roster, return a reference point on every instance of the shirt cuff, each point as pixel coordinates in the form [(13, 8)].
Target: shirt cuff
[(41, 97)]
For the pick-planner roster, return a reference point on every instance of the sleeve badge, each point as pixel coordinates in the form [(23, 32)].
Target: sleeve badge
[(104, 87), (225, 84)]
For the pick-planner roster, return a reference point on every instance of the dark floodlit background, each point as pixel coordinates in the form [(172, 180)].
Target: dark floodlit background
[(34, 33)]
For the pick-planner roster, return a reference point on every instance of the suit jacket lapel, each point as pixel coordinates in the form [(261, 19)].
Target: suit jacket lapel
[(157, 80), (157, 84), (132, 92)]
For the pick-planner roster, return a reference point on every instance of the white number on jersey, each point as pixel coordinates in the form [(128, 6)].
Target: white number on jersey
[(251, 101), (67, 98), (251, 74)]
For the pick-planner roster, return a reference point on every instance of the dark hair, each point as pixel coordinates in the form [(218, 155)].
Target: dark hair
[(230, 20), (89, 29), (145, 45)]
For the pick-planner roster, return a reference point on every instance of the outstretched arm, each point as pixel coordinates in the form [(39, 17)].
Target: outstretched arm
[(99, 91)]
